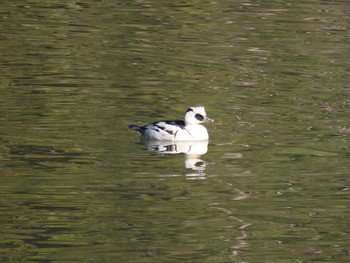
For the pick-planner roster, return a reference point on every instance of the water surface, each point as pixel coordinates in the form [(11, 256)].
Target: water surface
[(272, 184)]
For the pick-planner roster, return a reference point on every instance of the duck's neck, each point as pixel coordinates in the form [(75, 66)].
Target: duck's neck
[(187, 123)]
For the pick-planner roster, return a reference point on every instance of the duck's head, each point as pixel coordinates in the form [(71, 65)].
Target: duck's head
[(196, 115)]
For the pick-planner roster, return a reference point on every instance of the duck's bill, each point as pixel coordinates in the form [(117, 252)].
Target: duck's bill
[(207, 119)]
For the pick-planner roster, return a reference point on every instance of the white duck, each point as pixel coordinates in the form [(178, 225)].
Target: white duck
[(188, 130)]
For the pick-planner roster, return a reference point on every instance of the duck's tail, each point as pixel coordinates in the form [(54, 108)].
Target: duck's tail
[(135, 127)]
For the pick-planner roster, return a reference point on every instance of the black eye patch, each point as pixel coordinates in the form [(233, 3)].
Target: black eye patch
[(199, 117)]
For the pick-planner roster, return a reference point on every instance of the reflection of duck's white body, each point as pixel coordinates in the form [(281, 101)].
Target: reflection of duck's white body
[(192, 148), (193, 151), (188, 130)]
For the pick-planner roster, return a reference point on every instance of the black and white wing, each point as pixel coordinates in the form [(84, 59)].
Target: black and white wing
[(162, 130)]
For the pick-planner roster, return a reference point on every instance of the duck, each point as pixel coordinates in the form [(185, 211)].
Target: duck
[(190, 129)]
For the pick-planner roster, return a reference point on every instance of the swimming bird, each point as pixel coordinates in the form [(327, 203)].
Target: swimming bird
[(188, 130)]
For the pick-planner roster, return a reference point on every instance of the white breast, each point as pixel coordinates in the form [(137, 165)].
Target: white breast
[(192, 133)]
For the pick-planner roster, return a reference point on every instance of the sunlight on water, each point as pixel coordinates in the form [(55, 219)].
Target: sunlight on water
[(271, 184)]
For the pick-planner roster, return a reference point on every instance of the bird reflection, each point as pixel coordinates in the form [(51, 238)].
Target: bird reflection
[(193, 151)]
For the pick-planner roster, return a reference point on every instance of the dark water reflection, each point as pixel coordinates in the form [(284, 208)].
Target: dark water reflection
[(76, 185)]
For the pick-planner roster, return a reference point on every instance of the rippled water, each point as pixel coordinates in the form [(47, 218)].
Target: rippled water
[(272, 185)]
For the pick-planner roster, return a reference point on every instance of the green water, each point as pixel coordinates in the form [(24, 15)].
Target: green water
[(272, 185)]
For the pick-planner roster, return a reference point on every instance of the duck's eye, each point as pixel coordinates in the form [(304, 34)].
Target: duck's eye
[(199, 117)]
